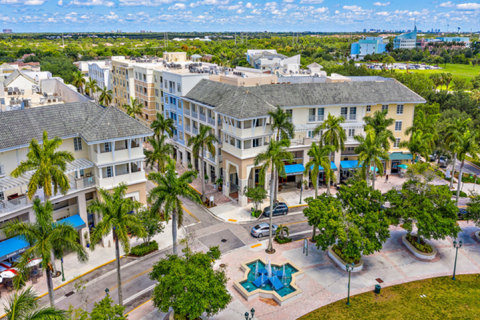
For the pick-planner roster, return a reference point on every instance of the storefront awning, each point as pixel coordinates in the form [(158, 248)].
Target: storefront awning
[(75, 221), (349, 164), (401, 156), (11, 247), (332, 166), (294, 169)]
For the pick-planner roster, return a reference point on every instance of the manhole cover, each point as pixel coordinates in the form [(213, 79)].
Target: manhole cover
[(379, 280), (224, 240)]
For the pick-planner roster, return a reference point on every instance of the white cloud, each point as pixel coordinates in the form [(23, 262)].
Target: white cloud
[(288, 1), (23, 2), (249, 5), (352, 8), (234, 7), (468, 6), (88, 3), (382, 13), (177, 6), (240, 11), (145, 3), (381, 4), (208, 3), (311, 1), (337, 12), (448, 4), (60, 2), (257, 11), (320, 10)]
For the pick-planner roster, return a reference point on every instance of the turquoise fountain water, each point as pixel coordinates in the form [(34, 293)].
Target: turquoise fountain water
[(260, 274)]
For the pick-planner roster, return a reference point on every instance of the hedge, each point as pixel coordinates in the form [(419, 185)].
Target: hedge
[(422, 246), (144, 248)]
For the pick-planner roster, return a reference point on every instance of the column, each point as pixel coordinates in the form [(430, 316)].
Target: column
[(82, 211), (113, 150), (337, 158), (306, 158), (129, 142)]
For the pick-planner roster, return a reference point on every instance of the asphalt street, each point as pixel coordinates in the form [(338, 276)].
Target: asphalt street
[(467, 168)]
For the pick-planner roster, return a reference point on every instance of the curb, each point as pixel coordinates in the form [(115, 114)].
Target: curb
[(139, 306)]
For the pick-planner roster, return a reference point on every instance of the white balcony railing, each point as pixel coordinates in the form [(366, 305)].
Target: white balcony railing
[(11, 205), (211, 121), (188, 128), (194, 114), (203, 117), (311, 117), (352, 117), (194, 130), (320, 117), (187, 112)]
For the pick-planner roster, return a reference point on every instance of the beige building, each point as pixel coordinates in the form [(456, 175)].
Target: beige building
[(108, 150)]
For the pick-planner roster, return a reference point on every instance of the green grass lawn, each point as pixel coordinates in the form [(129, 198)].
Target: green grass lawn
[(459, 70), (445, 299)]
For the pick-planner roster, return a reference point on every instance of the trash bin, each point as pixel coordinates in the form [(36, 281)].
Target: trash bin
[(377, 288)]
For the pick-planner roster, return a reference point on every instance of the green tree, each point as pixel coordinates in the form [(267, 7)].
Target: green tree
[(281, 230), (116, 218), (454, 132), (134, 108), (106, 309), (151, 223), (446, 77), (23, 305), (319, 160), (426, 123), (273, 159), (78, 80), (159, 154), (419, 144), (162, 125), (189, 284), (370, 150), (332, 134), (45, 237), (285, 130), (256, 195), (168, 193), (106, 96), (353, 221), (200, 143), (91, 87), (473, 209), (49, 165)]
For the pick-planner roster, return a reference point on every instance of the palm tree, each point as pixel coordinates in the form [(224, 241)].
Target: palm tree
[(273, 158), (321, 158), (78, 80), (91, 87), (453, 134), (446, 79), (466, 144), (169, 191), (162, 125), (49, 166), (134, 108), (419, 144), (44, 237), (282, 124), (281, 230), (106, 96), (370, 150), (203, 141), (116, 218), (425, 123), (333, 134), (23, 305), (160, 153)]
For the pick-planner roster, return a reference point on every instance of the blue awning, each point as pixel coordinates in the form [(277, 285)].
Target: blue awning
[(75, 221), (11, 247), (294, 169), (332, 166), (349, 164)]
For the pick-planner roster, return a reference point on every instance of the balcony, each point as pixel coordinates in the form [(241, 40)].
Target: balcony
[(14, 204), (320, 117), (175, 137), (352, 117), (203, 117), (188, 128), (194, 114), (83, 183), (195, 130), (311, 117), (211, 121), (187, 112)]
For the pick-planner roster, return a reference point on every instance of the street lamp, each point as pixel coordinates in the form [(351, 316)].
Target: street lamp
[(247, 316), (456, 246), (349, 268), (107, 291)]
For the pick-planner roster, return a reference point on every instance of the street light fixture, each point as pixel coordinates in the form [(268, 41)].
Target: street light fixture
[(349, 268), (247, 315), (107, 291), (456, 246)]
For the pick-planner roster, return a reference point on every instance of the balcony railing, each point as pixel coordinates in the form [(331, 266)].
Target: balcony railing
[(203, 117), (194, 114), (175, 137), (211, 121), (311, 117), (194, 130), (320, 117), (85, 182), (187, 112), (187, 128), (10, 205), (352, 117)]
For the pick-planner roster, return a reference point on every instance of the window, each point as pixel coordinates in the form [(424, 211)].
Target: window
[(353, 113), (136, 88), (179, 87), (351, 132), (400, 109), (369, 108), (343, 112), (385, 107), (396, 144), (180, 135), (109, 172), (351, 149), (310, 134), (155, 78), (166, 84), (257, 142), (107, 146), (398, 125), (239, 144), (144, 78), (156, 92), (180, 104), (136, 75), (179, 120), (2, 196), (239, 124), (157, 106), (320, 114), (173, 101), (144, 90), (77, 144)]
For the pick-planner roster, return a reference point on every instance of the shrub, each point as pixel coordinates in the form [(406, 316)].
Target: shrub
[(144, 248), (284, 240), (462, 193), (338, 252), (422, 246), (256, 213)]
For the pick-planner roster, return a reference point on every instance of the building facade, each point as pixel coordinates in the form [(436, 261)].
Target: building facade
[(369, 45), (406, 40)]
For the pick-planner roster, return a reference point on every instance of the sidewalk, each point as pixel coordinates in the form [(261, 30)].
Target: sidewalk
[(97, 258)]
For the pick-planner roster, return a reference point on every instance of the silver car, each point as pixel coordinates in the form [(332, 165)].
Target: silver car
[(262, 229)]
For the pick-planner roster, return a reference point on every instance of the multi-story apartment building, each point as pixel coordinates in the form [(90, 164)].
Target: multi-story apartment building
[(239, 117), (100, 71), (108, 149), (122, 82)]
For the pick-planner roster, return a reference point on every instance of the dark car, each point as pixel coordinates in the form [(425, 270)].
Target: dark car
[(462, 214), (262, 230), (279, 208)]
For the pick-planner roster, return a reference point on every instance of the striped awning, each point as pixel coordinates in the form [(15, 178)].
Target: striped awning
[(8, 182)]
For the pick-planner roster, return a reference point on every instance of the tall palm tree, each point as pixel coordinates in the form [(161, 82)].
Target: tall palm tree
[(425, 123), (116, 218), (380, 123), (453, 134), (91, 87), (160, 153), (419, 144), (78, 80), (44, 237), (134, 108), (203, 141), (273, 159), (332, 134), (466, 144), (169, 191), (320, 155), (282, 124), (49, 165), (370, 150), (23, 305), (106, 96), (446, 79), (162, 125)]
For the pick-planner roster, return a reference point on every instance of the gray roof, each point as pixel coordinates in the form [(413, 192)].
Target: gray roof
[(85, 119), (14, 75), (250, 102)]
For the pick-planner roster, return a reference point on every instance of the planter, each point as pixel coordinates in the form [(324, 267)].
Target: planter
[(339, 261), (417, 253)]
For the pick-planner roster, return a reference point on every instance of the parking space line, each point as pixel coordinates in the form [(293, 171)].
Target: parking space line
[(256, 245)]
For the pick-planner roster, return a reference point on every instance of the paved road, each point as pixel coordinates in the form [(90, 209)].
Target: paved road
[(467, 168)]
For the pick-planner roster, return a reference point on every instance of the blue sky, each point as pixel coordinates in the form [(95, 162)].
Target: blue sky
[(232, 15)]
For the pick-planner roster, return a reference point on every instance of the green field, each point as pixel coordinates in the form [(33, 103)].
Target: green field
[(457, 70), (445, 299)]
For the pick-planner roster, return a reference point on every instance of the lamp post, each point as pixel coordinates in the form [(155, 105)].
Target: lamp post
[(349, 268), (63, 273), (247, 315), (456, 246), (107, 291)]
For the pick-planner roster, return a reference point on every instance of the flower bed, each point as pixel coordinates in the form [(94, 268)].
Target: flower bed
[(422, 246), (412, 245), (284, 240), (144, 249), (332, 253)]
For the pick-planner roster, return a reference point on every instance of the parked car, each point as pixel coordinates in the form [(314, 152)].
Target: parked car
[(462, 213), (279, 208), (262, 229)]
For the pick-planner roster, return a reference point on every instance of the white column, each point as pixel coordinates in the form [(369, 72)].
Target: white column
[(129, 141), (100, 173), (113, 150), (337, 163), (98, 147)]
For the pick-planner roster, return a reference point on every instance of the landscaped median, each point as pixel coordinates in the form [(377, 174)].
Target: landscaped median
[(436, 298)]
